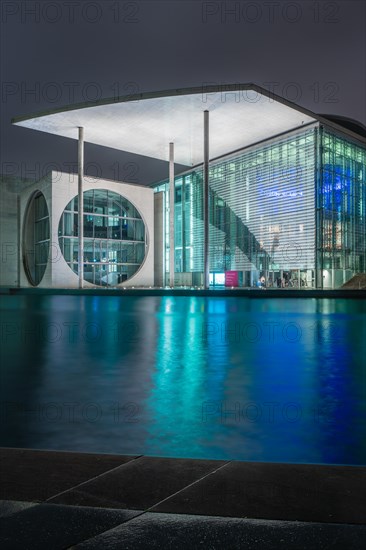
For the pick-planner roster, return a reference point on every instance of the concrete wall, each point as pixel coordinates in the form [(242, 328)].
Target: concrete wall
[(59, 189), (10, 189), (25, 243)]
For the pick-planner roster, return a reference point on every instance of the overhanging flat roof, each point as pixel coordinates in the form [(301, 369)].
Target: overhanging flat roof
[(144, 124)]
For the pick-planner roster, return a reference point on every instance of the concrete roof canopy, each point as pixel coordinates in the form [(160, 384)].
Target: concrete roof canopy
[(144, 124)]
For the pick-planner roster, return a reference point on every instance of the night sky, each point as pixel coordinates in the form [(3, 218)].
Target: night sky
[(312, 53)]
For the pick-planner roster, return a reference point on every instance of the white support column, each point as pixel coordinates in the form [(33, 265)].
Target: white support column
[(81, 207), (206, 260), (171, 216)]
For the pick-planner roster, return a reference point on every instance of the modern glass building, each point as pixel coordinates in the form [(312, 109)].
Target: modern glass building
[(272, 195), (290, 211)]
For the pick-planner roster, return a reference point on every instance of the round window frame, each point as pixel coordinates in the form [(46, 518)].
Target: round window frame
[(146, 240)]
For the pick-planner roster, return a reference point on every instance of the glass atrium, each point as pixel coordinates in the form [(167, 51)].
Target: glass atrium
[(289, 212)]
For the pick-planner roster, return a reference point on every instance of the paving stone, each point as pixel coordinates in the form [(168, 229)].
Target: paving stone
[(296, 492), (10, 507), (56, 527), (139, 484), (37, 475), (182, 532)]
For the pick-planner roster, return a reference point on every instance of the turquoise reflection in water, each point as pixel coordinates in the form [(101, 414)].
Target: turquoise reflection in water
[(178, 379), (248, 379)]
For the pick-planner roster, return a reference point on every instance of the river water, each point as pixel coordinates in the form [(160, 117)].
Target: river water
[(279, 380)]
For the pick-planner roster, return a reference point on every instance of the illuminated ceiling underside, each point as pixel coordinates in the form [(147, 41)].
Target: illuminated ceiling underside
[(144, 124)]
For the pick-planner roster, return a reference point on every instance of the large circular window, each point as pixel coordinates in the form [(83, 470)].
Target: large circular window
[(114, 237), (36, 238)]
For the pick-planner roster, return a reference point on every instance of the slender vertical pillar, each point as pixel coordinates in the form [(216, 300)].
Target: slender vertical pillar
[(206, 263), (183, 265), (319, 217), (81, 207), (18, 240), (171, 215)]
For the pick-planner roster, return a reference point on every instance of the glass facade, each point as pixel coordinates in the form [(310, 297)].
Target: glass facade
[(36, 239), (261, 214), (114, 237), (341, 209), (283, 212)]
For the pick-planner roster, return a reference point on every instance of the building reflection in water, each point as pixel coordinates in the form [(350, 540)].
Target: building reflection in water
[(263, 379)]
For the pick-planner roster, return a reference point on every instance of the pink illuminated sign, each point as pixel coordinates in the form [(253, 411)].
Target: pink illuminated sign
[(231, 278)]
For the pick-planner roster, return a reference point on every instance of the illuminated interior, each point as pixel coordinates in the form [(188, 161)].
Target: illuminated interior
[(114, 237), (263, 217)]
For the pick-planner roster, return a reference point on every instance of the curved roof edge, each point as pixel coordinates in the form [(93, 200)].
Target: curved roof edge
[(209, 89), (349, 123), (353, 128)]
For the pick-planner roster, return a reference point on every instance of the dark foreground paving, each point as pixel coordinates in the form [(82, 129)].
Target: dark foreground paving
[(59, 500)]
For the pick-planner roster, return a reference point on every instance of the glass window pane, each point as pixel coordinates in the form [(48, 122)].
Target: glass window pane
[(100, 227), (88, 201), (139, 230), (114, 204), (88, 226)]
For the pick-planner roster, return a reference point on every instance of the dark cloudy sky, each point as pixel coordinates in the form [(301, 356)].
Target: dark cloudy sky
[(311, 52)]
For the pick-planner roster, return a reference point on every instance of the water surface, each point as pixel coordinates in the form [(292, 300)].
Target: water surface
[(225, 378)]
